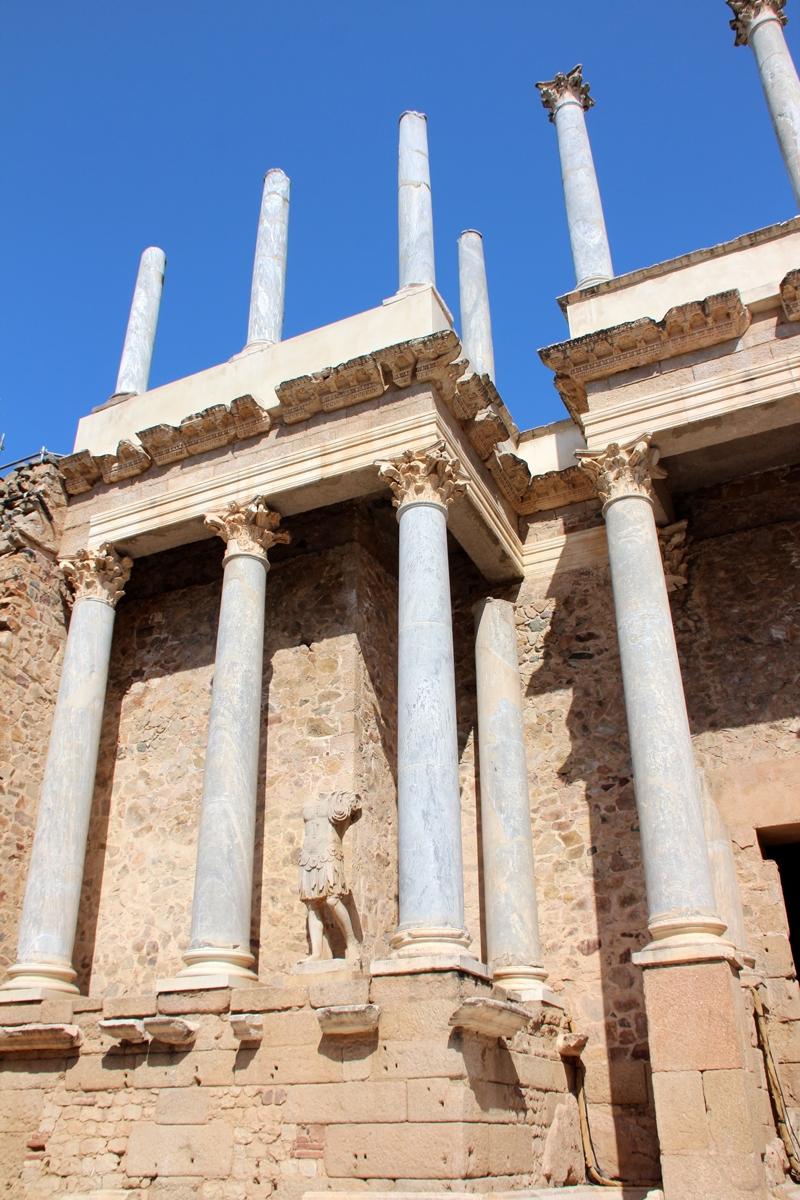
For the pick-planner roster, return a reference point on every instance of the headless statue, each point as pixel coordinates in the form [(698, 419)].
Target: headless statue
[(322, 880)]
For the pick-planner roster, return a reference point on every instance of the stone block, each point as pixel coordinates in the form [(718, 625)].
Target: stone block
[(777, 955), (185, 1068), (56, 1011), (711, 1177), (184, 1150), (19, 1014), (691, 1019), (182, 1106), (291, 1029), (533, 1070), (340, 1103), (101, 1072), (20, 1111), (448, 1100), (175, 1004), (130, 1006), (44, 1073), (435, 1151), (510, 1150), (333, 993), (284, 1065), (418, 1060), (268, 999), (730, 1122), (680, 1111), (621, 1082)]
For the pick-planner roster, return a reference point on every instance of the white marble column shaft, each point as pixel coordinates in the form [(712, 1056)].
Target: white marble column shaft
[(759, 24), (509, 882), (55, 876), (677, 871), (567, 98), (137, 353), (415, 210), (219, 943), (269, 268), (431, 881), (476, 320)]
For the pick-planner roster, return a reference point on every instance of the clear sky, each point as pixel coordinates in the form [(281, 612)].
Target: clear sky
[(152, 123)]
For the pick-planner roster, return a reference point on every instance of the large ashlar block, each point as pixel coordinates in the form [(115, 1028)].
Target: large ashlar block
[(681, 1111), (693, 1018), (182, 1106), (446, 1100), (183, 1150), (340, 1103), (437, 1151)]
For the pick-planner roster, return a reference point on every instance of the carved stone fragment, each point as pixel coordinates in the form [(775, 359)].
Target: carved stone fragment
[(673, 543), (98, 574), (622, 470), (173, 1031), (430, 475), (36, 1036), (553, 90), (348, 1019), (129, 460), (491, 1018), (247, 1027), (248, 528), (321, 877), (164, 443), (124, 1029), (485, 431), (745, 12), (79, 471), (537, 493), (790, 295)]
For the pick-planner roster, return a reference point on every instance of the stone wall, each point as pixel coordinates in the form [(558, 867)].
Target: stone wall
[(34, 615)]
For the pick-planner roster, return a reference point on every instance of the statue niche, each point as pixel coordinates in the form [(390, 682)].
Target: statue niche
[(321, 877)]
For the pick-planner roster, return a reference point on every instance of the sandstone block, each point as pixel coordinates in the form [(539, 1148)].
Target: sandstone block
[(691, 1019), (291, 1029), (187, 1150), (283, 1065), (210, 1068), (414, 1060), (20, 1014), (333, 994), (710, 1177), (340, 1103), (545, 1073), (20, 1111), (174, 1004), (100, 1072), (267, 999), (730, 1122), (130, 1006), (436, 1151), (56, 1011), (44, 1073), (623, 1082), (510, 1150), (182, 1106), (680, 1111), (449, 1100), (408, 1019)]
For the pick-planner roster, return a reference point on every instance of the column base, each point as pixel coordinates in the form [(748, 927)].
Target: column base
[(212, 967), (529, 983), (41, 977), (681, 941), (429, 939)]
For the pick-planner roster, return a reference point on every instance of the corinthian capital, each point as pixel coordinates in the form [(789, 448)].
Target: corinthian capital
[(248, 528), (622, 470), (554, 90), (423, 475), (98, 574), (746, 11)]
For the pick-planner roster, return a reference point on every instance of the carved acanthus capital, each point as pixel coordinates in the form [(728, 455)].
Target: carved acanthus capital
[(553, 91), (673, 542), (622, 470), (430, 475), (98, 574), (248, 528), (746, 11)]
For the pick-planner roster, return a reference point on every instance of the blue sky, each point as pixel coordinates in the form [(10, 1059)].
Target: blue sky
[(126, 125)]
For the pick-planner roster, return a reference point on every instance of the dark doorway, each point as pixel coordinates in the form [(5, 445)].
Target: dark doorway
[(787, 857)]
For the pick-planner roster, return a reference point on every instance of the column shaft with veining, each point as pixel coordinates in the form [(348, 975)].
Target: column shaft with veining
[(476, 321), (415, 210), (567, 99), (55, 876), (509, 883), (269, 268), (140, 337), (219, 943)]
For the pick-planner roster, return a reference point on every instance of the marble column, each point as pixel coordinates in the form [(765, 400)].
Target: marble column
[(431, 902), (683, 917), (567, 99), (269, 269), (53, 890), (476, 321), (137, 353), (759, 24), (509, 882), (219, 944), (415, 211)]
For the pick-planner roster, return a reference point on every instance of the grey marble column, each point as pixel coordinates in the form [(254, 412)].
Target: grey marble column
[(219, 944), (269, 269), (759, 24), (415, 211), (567, 98), (137, 353), (509, 882), (680, 893), (53, 890), (476, 321), (431, 916)]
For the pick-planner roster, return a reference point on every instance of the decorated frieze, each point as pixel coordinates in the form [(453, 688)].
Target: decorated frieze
[(527, 493), (790, 295)]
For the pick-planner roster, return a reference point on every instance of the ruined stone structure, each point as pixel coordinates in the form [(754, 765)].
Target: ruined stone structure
[(393, 800)]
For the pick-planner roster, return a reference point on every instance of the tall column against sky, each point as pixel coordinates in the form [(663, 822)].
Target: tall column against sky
[(415, 211), (567, 99), (53, 890), (759, 24), (269, 268), (476, 321), (137, 353), (219, 942), (431, 880)]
